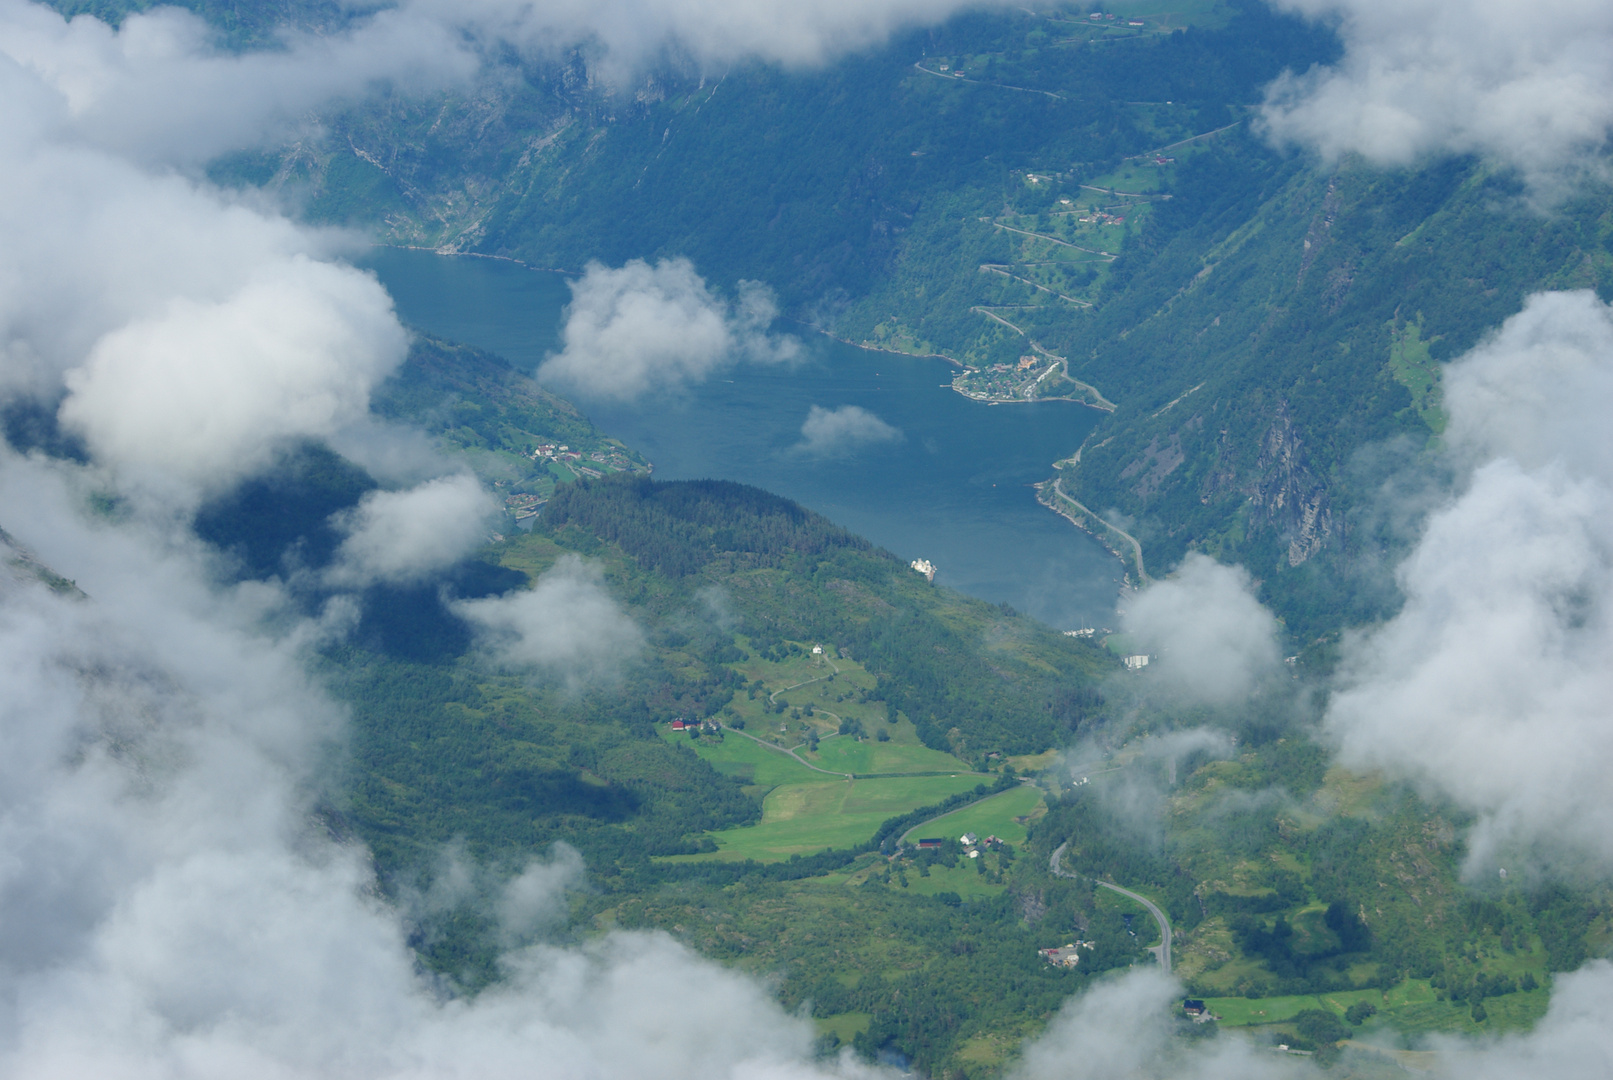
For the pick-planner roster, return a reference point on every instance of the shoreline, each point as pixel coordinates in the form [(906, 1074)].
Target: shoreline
[(1052, 502), (477, 255), (961, 367)]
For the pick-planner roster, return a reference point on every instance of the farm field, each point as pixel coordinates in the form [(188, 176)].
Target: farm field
[(742, 758), (797, 699), (998, 816), (803, 818), (899, 755)]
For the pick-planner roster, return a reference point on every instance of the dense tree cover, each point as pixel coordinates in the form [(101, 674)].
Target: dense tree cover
[(791, 574), (677, 529), (477, 401), (278, 520), (1324, 901), (480, 408)]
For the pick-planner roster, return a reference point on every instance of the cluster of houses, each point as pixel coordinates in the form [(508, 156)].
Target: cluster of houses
[(1100, 16), (1065, 956), (685, 724), (972, 844), (925, 567)]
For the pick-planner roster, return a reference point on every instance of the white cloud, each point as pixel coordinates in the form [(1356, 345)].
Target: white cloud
[(404, 535), (1571, 1040), (1492, 683), (831, 432), (1529, 87), (172, 913), (190, 336), (157, 90), (1213, 640), (640, 328), (566, 624), (205, 390), (714, 33), (1120, 1027)]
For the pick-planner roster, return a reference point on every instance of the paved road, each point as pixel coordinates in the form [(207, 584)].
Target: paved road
[(1136, 548), (1163, 949)]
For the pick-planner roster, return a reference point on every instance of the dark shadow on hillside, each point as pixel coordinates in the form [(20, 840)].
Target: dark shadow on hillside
[(280, 518), (414, 622)]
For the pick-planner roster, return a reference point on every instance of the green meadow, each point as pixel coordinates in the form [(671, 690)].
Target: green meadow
[(805, 811), (803, 818), (1409, 1008), (1004, 816)]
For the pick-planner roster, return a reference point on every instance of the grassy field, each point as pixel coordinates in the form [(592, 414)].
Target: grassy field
[(802, 818), (964, 880), (998, 816), (843, 1026), (804, 811), (902, 754), (734, 755), (1410, 1009)]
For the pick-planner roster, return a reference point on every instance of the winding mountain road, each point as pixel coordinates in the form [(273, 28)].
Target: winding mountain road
[(1136, 548), (1163, 949)]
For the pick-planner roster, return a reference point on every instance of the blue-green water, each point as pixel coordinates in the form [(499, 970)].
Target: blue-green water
[(956, 488)]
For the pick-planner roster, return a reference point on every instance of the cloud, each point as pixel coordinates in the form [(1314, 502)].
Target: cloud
[(641, 328), (173, 912), (185, 337), (535, 898), (1214, 641), (833, 432), (1533, 91), (623, 34), (158, 89), (1571, 1040), (206, 390), (1492, 683), (1120, 1027), (401, 536), (566, 624), (1137, 793)]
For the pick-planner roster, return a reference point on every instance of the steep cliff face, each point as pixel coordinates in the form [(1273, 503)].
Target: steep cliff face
[(1307, 314), (1285, 496)]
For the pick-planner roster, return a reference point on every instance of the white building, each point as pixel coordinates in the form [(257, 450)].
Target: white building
[(1136, 661)]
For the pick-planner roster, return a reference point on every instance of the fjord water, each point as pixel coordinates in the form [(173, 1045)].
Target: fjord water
[(955, 488)]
